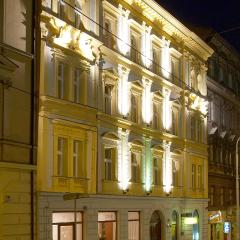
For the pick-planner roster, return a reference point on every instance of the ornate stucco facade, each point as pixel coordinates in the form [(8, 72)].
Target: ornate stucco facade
[(122, 123)]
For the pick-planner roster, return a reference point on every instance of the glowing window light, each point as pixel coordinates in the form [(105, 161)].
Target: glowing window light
[(166, 113), (147, 101), (167, 168), (123, 90), (148, 161), (146, 46), (123, 41), (123, 159), (190, 220), (166, 60)]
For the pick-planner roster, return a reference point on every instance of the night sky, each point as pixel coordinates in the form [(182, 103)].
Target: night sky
[(217, 14)]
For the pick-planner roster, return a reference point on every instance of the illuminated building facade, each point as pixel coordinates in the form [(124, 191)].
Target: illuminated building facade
[(223, 131), (17, 120), (122, 123)]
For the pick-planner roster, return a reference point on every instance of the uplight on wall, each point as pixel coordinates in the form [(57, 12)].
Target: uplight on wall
[(148, 162), (166, 113), (123, 90), (166, 59), (123, 159), (146, 45), (167, 167), (123, 41), (147, 101)]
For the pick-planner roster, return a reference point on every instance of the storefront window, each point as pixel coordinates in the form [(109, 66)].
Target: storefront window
[(174, 225), (63, 226), (196, 226), (133, 225), (107, 226)]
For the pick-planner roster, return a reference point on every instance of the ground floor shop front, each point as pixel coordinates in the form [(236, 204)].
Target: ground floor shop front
[(77, 217)]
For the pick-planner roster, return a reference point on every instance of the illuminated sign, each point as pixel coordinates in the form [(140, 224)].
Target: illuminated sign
[(226, 227), (215, 217), (190, 220)]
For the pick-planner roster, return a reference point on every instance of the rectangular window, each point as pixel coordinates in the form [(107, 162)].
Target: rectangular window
[(193, 128), (156, 171), (78, 159), (64, 227), (155, 116), (107, 226), (230, 196), (221, 196), (76, 85), (62, 157), (134, 54), (61, 9), (135, 168), (133, 225), (110, 164), (174, 122), (61, 73), (193, 177), (200, 177), (108, 99), (134, 113), (174, 174), (212, 193)]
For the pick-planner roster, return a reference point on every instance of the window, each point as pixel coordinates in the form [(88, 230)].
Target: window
[(108, 99), (62, 157), (133, 225), (61, 9), (135, 168), (195, 229), (78, 159), (193, 128), (64, 227), (76, 85), (174, 174), (61, 79), (155, 116), (221, 196), (108, 30), (110, 164), (200, 177), (156, 171), (230, 196), (134, 49), (199, 129), (107, 226), (155, 61), (212, 193), (134, 114), (193, 177), (174, 122), (78, 14)]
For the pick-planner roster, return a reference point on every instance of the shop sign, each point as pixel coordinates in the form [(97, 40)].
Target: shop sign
[(215, 217), (226, 227)]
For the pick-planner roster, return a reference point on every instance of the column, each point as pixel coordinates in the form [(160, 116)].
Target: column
[(166, 59), (147, 101), (123, 91), (123, 31), (166, 111), (146, 45)]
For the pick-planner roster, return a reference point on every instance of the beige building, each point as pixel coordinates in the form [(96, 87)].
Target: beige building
[(17, 120), (122, 123)]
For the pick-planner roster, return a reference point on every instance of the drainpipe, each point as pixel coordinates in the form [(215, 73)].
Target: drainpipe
[(237, 192)]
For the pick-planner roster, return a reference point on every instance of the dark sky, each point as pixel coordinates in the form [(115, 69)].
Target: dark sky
[(218, 14)]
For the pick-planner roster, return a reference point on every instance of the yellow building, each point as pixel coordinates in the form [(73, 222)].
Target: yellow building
[(122, 123)]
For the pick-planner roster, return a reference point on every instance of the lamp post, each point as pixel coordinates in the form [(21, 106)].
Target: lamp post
[(237, 192)]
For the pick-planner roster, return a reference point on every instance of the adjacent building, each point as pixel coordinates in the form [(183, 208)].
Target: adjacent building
[(122, 123), (223, 132), (17, 120)]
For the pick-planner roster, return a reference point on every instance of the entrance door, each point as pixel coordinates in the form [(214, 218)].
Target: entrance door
[(66, 232), (155, 227)]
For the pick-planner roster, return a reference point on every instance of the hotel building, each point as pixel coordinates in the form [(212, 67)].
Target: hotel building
[(122, 135)]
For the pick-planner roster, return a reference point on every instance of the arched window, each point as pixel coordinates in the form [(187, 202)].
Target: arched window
[(195, 230), (174, 226)]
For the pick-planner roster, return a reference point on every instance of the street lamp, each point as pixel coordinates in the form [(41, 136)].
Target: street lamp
[(237, 192)]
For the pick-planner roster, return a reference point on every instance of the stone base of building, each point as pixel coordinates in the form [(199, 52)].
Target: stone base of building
[(187, 218)]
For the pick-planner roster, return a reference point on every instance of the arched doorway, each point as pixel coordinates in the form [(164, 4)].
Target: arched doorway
[(174, 226), (156, 228), (195, 230)]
